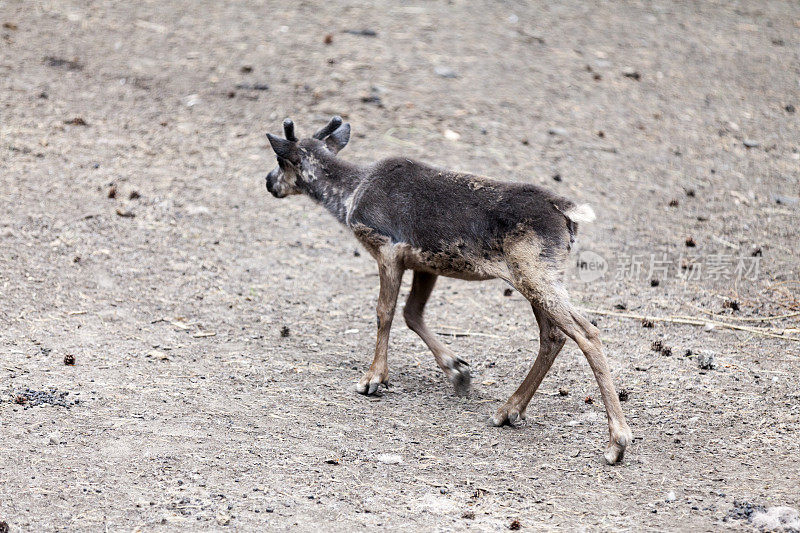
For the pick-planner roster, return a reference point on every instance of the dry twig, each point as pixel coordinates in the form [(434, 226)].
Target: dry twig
[(695, 321)]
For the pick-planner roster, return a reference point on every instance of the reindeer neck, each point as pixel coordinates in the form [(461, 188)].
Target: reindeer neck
[(331, 182)]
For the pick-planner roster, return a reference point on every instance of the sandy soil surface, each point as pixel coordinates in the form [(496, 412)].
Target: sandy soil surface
[(218, 333)]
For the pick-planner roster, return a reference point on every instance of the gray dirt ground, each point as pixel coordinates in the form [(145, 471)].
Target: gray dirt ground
[(195, 412)]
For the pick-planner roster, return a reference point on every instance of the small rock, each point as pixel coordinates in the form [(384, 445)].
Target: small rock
[(328, 39), (789, 108), (363, 33), (372, 99), (451, 135), (445, 72), (632, 73), (285, 331), (670, 496), (10, 26), (623, 395), (588, 400), (54, 438), (77, 121), (158, 354), (134, 195), (197, 210), (192, 100), (112, 192), (468, 515), (4, 526), (673, 203), (223, 519), (514, 525), (68, 64), (690, 242), (785, 200), (251, 87), (69, 360), (646, 323), (390, 458), (125, 213), (655, 282), (750, 143), (246, 69), (561, 132), (563, 391), (557, 177), (705, 360)]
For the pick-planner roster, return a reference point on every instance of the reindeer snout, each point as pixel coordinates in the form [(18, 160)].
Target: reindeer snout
[(271, 179)]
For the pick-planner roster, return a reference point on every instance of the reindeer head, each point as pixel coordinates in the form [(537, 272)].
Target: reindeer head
[(299, 161)]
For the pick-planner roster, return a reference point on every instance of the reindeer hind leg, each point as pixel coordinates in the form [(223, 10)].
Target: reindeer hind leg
[(539, 280), (551, 340), (455, 368)]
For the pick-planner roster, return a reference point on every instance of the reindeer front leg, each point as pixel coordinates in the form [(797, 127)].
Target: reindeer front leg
[(391, 274)]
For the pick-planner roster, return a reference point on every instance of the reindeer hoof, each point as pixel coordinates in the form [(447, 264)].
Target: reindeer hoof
[(616, 446), (507, 415), (369, 384), (614, 454), (459, 375)]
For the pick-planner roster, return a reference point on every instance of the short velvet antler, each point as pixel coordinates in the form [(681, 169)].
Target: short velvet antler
[(288, 130), (332, 126)]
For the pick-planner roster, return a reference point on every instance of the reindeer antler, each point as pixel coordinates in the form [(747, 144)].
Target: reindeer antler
[(288, 130), (332, 126)]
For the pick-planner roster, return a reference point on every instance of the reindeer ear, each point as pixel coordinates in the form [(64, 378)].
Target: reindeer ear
[(282, 147), (339, 138)]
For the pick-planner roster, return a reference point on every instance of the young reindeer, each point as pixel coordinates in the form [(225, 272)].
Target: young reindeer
[(411, 216)]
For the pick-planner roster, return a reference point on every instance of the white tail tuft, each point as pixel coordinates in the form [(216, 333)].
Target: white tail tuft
[(581, 213)]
